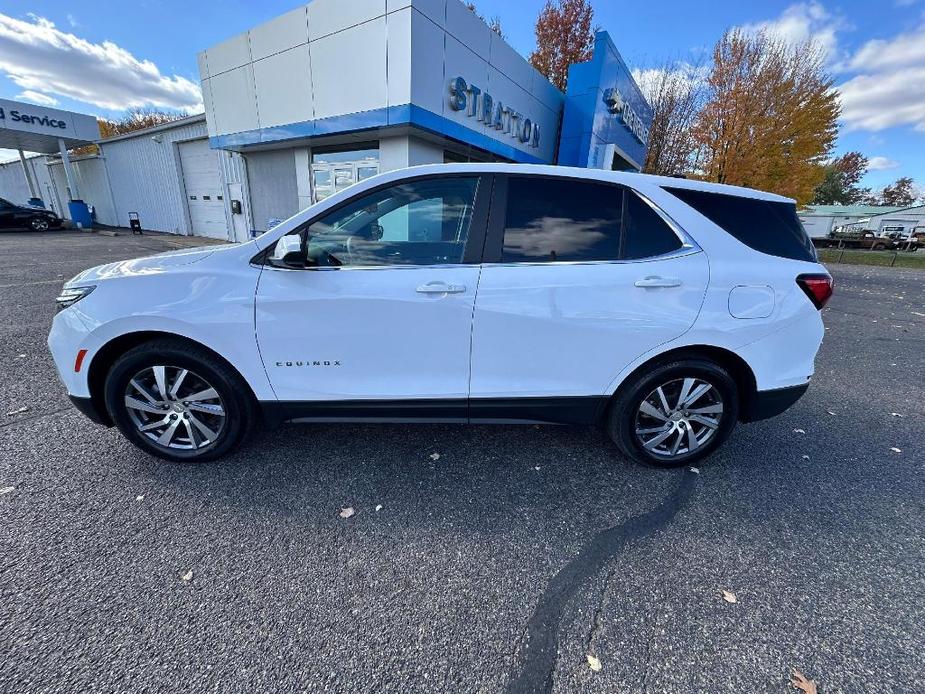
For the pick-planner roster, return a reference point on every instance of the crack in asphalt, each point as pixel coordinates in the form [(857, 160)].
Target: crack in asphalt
[(534, 671), (32, 417)]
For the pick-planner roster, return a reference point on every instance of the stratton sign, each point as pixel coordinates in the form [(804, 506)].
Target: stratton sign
[(18, 116), (492, 114), (619, 106)]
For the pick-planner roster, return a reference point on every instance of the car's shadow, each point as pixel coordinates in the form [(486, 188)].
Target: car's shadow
[(468, 475)]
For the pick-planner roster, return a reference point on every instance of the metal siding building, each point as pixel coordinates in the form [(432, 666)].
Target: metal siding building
[(819, 220), (147, 176)]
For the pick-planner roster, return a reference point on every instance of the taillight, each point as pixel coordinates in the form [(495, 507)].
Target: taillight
[(817, 287)]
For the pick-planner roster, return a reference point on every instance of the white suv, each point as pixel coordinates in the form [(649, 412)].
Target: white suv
[(663, 309)]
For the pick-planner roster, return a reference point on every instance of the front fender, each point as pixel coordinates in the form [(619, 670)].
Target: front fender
[(211, 306), (237, 346)]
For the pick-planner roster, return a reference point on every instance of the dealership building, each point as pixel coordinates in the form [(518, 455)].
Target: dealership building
[(334, 92)]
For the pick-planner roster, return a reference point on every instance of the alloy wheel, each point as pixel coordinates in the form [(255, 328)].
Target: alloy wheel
[(174, 407), (679, 417), (39, 224)]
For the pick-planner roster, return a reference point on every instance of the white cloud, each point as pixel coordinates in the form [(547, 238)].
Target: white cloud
[(682, 74), (39, 57), (884, 100), (889, 90), (801, 22), (38, 98), (882, 164), (902, 50)]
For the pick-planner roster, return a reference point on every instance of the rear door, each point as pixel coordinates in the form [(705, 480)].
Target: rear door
[(581, 278)]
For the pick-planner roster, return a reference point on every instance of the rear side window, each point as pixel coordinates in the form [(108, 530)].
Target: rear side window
[(765, 226), (646, 234), (550, 219)]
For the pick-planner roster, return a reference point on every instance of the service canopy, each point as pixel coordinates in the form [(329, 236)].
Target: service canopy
[(38, 128)]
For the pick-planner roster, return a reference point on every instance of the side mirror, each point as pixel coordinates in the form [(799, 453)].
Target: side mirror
[(288, 253)]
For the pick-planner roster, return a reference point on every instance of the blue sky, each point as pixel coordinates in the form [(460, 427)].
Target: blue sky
[(145, 52)]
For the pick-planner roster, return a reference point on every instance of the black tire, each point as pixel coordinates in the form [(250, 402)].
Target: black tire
[(236, 401), (622, 415), (39, 224), (879, 247)]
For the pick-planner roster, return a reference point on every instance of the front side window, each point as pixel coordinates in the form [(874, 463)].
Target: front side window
[(417, 223), (555, 219)]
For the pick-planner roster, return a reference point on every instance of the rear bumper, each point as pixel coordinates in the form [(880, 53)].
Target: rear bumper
[(770, 403), (89, 409)]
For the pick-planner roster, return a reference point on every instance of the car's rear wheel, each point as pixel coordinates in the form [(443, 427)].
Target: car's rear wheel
[(178, 401), (675, 414), (38, 224)]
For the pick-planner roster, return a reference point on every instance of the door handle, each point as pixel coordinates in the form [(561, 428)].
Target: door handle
[(656, 282), (441, 288)]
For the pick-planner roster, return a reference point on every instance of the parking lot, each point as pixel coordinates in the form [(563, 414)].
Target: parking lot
[(479, 559)]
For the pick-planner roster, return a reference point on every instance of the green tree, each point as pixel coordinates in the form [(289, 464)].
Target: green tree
[(841, 178)]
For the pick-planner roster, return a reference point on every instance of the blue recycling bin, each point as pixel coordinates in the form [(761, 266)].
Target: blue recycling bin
[(80, 213)]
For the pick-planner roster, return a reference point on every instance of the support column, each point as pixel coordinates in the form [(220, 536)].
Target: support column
[(303, 176), (33, 192), (74, 193), (77, 208)]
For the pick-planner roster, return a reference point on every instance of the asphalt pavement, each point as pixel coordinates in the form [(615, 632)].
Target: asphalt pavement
[(479, 559)]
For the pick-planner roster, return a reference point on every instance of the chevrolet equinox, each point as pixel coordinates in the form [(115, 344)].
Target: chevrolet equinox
[(664, 310)]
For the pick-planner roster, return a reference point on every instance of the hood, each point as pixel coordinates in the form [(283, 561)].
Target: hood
[(144, 266)]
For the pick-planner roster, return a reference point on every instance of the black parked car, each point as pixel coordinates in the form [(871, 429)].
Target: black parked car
[(24, 217)]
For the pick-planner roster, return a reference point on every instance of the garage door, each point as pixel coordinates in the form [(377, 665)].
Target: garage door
[(203, 182)]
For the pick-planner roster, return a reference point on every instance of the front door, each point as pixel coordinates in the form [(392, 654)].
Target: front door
[(587, 277), (380, 319)]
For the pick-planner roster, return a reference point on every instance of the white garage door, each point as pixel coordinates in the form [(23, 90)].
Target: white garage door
[(203, 182)]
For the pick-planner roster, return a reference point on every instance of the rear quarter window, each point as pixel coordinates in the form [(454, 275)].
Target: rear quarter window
[(762, 225)]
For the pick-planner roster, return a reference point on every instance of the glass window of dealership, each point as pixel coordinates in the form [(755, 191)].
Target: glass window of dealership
[(334, 92)]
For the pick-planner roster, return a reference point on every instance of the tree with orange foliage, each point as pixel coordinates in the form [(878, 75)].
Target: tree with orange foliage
[(564, 35), (771, 118), (134, 119)]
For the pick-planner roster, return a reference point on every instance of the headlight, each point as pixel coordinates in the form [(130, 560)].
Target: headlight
[(71, 295)]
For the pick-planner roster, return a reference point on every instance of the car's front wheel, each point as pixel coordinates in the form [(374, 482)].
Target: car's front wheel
[(178, 401), (675, 414), (38, 224)]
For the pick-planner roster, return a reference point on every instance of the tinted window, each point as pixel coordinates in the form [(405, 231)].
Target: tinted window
[(552, 219), (766, 226), (646, 233), (419, 223)]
